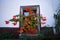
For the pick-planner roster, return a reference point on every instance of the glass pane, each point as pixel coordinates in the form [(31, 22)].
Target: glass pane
[(26, 13)]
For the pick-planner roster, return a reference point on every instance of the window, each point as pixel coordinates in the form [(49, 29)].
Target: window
[(35, 9)]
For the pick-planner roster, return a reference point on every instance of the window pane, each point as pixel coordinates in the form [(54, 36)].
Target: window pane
[(26, 13)]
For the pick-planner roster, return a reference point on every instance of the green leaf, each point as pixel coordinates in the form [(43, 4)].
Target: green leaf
[(14, 20)]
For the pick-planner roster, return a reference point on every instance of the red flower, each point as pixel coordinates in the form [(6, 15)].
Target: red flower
[(14, 17), (27, 31), (31, 12), (28, 16), (14, 23), (27, 9), (26, 19), (25, 24), (35, 31), (31, 30), (7, 22), (21, 30), (43, 22), (44, 18)]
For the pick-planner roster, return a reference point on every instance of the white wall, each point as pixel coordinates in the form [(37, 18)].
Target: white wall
[(8, 8)]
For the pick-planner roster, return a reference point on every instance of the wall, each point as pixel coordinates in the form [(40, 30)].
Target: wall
[(8, 8)]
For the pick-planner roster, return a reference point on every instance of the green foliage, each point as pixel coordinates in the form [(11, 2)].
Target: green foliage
[(14, 20), (22, 19)]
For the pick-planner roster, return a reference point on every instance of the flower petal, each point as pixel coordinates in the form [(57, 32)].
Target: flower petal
[(14, 23), (7, 22)]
